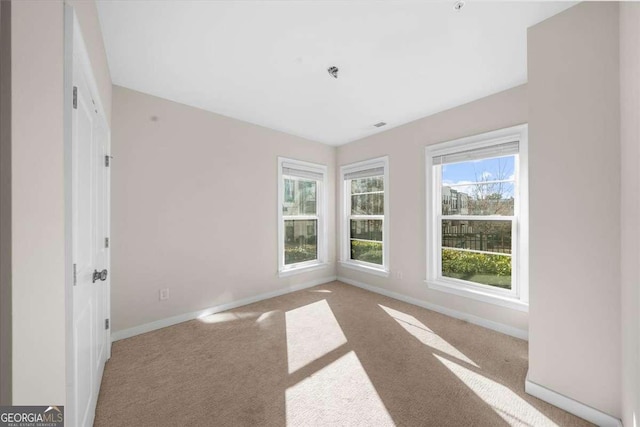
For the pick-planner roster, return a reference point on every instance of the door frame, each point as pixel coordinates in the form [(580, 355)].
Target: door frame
[(73, 40)]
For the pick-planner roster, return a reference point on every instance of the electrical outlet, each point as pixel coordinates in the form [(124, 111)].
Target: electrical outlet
[(399, 274), (164, 294)]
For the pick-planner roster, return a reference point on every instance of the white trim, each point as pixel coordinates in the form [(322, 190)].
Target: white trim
[(480, 295), (301, 268), (322, 237), (107, 283), (345, 208), (489, 324), (170, 321), (70, 391), (523, 223), (365, 268), (517, 298), (572, 406)]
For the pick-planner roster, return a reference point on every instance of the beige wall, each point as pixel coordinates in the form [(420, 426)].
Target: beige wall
[(38, 204), (630, 213), (195, 208), (574, 164), (405, 147), (5, 203), (38, 195)]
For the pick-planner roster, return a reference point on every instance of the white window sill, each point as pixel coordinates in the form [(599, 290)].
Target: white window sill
[(365, 268), (477, 294), (301, 269)]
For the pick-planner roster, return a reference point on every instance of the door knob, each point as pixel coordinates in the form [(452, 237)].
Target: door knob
[(99, 275)]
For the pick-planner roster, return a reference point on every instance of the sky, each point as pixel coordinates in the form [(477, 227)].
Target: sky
[(464, 173)]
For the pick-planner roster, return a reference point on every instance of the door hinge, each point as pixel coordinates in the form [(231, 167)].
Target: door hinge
[(107, 160), (106, 323), (75, 97), (106, 242), (75, 275)]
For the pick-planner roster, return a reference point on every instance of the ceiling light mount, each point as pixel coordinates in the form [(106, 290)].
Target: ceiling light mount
[(333, 71), (458, 5)]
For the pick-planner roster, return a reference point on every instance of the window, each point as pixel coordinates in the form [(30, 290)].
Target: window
[(477, 231), (302, 240), (365, 231)]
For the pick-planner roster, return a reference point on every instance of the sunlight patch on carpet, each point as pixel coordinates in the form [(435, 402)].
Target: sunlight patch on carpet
[(227, 317), (339, 394), (508, 405), (312, 332), (426, 335), (267, 316)]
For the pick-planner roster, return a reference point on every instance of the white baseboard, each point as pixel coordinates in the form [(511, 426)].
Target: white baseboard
[(574, 407), (489, 324), (163, 323)]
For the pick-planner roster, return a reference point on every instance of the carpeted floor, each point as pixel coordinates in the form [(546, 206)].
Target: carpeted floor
[(330, 355)]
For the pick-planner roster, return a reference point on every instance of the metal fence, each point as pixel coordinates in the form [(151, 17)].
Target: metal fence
[(491, 242)]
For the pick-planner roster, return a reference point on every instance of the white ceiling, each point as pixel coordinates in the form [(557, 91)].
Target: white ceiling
[(266, 62)]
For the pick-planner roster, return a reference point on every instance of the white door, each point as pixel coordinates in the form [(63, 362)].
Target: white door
[(90, 224)]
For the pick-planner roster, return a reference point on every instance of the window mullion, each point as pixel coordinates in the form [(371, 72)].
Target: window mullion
[(368, 192), (300, 217), (367, 240), (365, 217), (478, 217), (498, 181)]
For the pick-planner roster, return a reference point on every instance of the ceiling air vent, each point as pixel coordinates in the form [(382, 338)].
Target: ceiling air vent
[(380, 124)]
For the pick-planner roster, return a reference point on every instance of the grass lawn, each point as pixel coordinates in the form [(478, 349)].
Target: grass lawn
[(485, 279)]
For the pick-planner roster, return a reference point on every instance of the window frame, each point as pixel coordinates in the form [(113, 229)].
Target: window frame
[(518, 297), (321, 216), (345, 238)]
